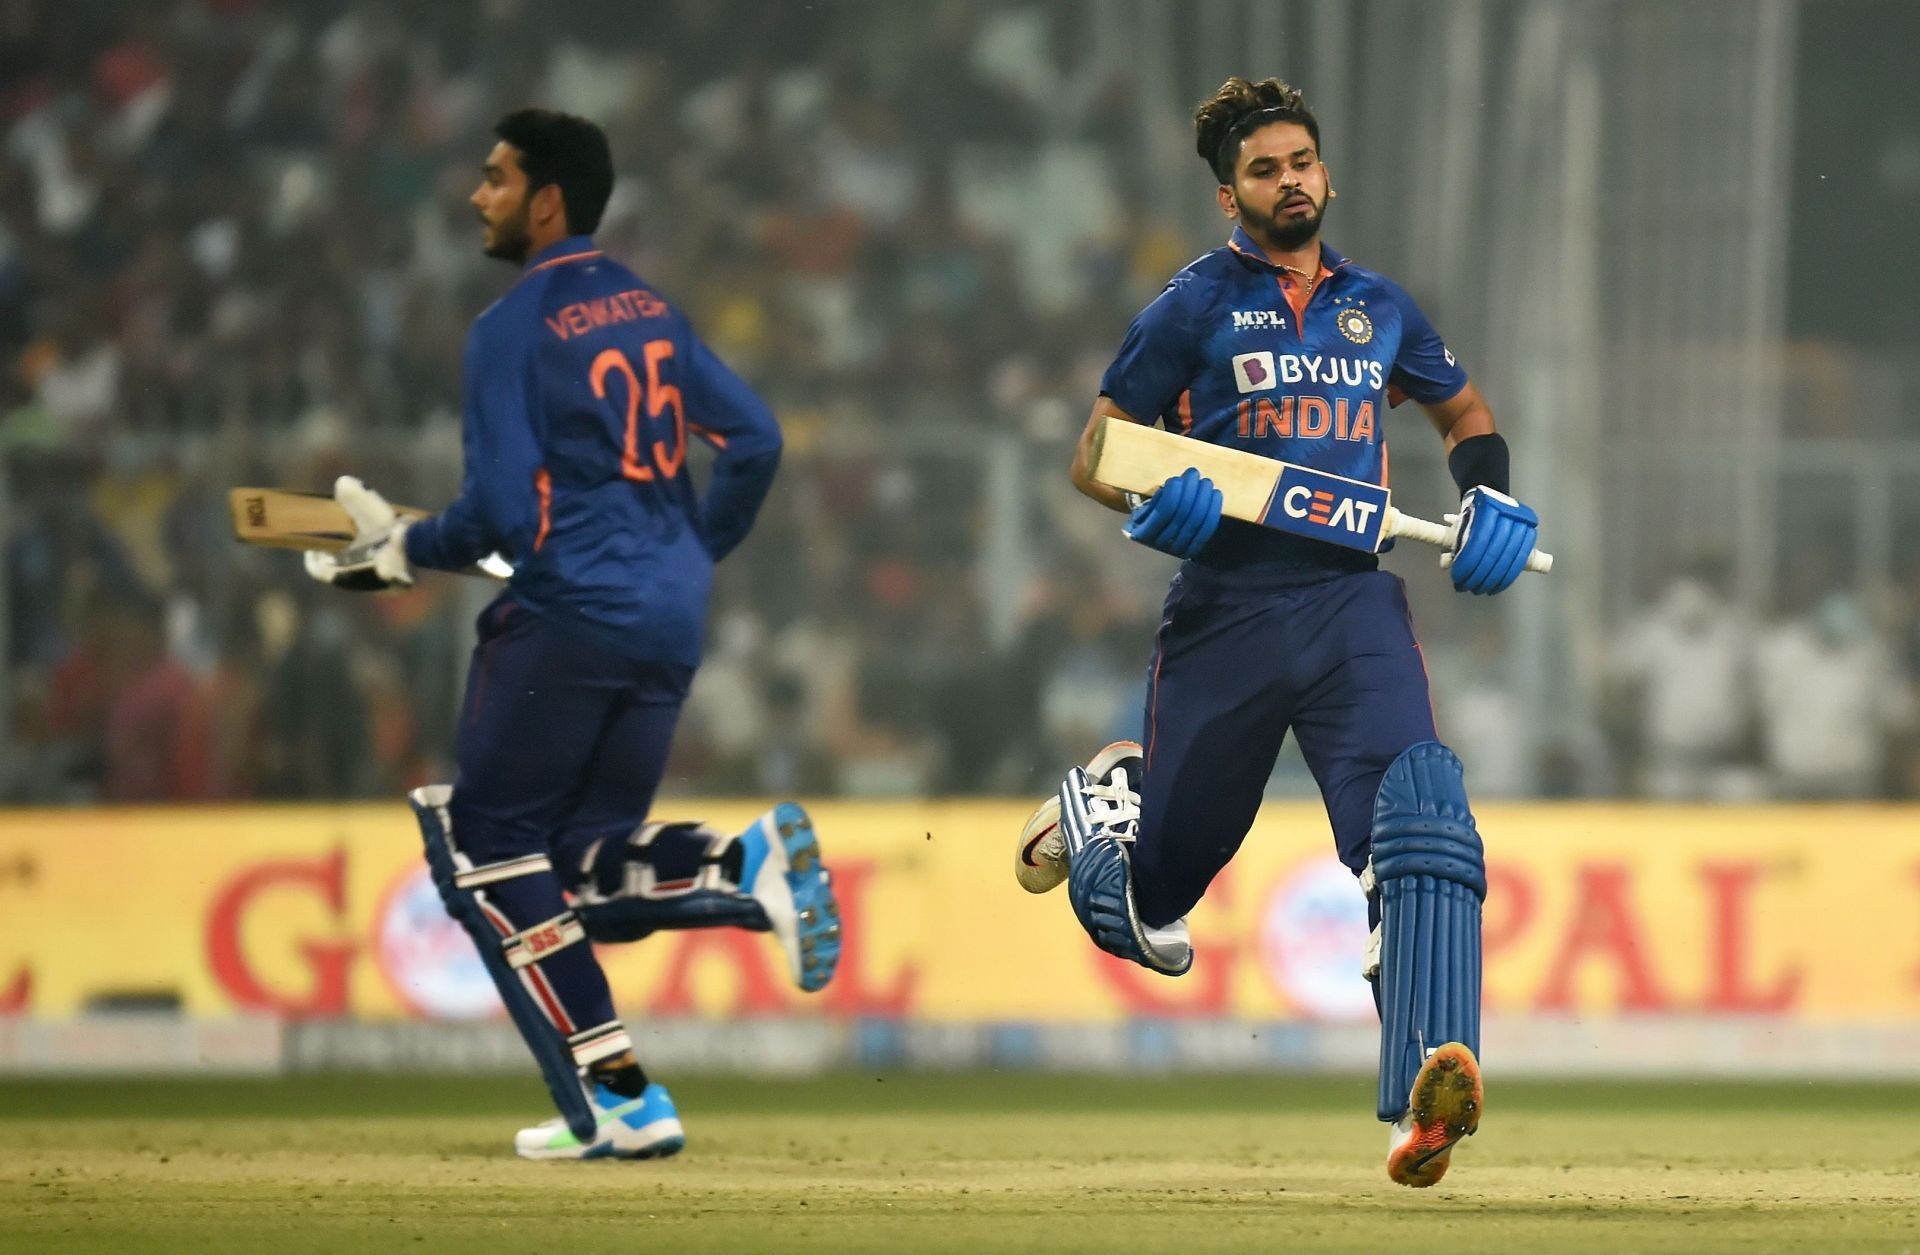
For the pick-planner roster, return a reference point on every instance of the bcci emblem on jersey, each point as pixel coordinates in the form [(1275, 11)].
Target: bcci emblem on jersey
[(1354, 324)]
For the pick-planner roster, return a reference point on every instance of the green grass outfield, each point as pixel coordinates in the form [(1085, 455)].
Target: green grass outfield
[(974, 1162)]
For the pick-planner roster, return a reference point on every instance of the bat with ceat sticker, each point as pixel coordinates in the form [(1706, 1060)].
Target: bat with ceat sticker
[(279, 518), (1286, 497)]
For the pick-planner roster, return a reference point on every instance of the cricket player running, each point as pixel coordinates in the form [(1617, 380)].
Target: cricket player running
[(1277, 345), (582, 386)]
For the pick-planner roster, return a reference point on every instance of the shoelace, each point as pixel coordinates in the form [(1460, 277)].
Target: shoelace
[(1113, 807)]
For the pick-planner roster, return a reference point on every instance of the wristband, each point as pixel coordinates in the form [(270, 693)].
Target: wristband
[(1480, 462)]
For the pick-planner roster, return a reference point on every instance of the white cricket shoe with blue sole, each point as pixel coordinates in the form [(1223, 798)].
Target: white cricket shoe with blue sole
[(782, 871), (646, 1127), (1100, 822), (1040, 859)]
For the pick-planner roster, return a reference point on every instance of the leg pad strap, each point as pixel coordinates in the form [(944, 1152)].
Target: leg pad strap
[(663, 876), (530, 945)]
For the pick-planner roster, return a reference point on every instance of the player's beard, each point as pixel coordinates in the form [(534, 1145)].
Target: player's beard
[(508, 239), (1281, 231)]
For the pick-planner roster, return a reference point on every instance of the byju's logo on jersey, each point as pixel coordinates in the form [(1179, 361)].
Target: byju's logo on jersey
[(1333, 508), (1253, 372), (1259, 320)]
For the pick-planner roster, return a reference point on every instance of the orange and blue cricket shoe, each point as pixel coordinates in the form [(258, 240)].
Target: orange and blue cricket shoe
[(1443, 1107)]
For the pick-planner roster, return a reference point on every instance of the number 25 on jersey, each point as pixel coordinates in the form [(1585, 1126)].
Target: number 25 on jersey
[(661, 460)]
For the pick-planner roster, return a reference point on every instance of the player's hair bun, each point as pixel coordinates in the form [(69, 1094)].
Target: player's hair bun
[(1236, 110)]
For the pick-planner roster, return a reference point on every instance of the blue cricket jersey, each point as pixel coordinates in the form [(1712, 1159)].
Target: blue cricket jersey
[(1222, 355), (583, 386)]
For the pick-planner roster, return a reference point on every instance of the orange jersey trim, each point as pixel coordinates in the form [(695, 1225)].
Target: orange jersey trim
[(556, 261), (1299, 295), (543, 484), (1153, 705)]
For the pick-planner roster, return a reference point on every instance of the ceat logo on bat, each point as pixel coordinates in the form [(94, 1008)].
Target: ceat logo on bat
[(1326, 507)]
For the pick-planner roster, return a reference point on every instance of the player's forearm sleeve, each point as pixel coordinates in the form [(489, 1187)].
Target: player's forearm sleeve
[(497, 505), (452, 539), (733, 499)]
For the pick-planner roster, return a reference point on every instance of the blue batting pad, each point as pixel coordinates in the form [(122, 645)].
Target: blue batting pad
[(1431, 875), (549, 1047)]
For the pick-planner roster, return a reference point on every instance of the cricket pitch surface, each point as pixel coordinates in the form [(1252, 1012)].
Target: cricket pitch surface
[(968, 1162)]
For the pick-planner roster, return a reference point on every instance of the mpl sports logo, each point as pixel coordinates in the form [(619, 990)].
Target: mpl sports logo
[(1333, 508), (1259, 320)]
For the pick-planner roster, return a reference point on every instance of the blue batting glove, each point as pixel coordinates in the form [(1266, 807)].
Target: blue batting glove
[(1180, 518), (1496, 535)]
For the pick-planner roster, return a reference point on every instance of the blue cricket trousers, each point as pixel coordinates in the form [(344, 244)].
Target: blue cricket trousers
[(1234, 667), (562, 740)]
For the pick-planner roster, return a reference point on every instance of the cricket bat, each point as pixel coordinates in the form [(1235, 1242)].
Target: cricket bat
[(1282, 495), (278, 518)]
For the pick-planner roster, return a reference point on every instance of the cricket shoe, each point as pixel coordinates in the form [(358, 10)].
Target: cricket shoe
[(782, 871), (1040, 860), (646, 1127), (1100, 822), (1443, 1107)]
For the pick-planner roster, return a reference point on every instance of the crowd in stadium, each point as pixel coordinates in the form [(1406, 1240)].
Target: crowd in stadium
[(236, 249)]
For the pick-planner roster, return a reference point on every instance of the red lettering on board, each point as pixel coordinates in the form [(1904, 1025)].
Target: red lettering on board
[(1605, 928), (751, 956), (1729, 890), (855, 990), (14, 998), (1506, 915), (328, 961), (1204, 991)]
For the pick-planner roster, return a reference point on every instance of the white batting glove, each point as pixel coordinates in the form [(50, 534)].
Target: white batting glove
[(377, 558)]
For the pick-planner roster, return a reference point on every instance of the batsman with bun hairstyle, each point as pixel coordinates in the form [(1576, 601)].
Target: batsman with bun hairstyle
[(1278, 346), (1223, 120)]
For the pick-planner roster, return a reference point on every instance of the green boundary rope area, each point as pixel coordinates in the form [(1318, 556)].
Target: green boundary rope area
[(917, 1162)]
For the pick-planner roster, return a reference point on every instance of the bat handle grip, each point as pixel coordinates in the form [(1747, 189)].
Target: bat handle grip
[(1441, 534), (1399, 524)]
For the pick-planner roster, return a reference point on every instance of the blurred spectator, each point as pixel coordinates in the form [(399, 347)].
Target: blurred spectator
[(1686, 670), (157, 744), (1833, 703), (316, 738), (234, 248), (1483, 720)]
